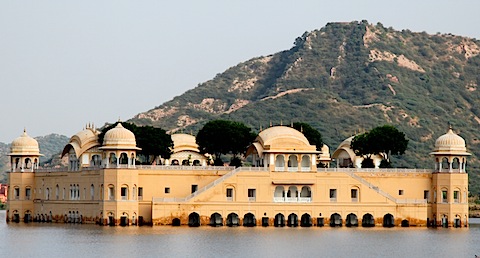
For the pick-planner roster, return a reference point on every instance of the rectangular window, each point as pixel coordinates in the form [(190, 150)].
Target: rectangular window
[(426, 195), (167, 189), (252, 194), (140, 193), (16, 193), (456, 196), (333, 195), (111, 193), (124, 193), (194, 188), (400, 192), (28, 193), (229, 194), (444, 196), (354, 195)]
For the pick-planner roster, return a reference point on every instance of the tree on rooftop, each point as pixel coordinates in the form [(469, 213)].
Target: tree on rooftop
[(219, 137), (383, 140)]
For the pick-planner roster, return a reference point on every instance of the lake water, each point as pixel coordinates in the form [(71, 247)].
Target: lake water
[(68, 240)]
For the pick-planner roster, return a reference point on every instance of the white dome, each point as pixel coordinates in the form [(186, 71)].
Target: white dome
[(24, 145), (119, 138), (450, 143)]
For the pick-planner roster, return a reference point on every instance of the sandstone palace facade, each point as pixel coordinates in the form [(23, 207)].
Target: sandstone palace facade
[(283, 187)]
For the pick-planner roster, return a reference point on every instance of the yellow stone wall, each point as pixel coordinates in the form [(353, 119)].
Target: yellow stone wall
[(158, 207)]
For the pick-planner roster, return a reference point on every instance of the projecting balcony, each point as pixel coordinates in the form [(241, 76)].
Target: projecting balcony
[(292, 199)]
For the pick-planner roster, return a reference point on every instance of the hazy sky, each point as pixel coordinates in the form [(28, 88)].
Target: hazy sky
[(66, 63)]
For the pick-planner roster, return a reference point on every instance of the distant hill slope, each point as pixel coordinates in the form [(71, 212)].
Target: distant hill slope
[(50, 146), (346, 78)]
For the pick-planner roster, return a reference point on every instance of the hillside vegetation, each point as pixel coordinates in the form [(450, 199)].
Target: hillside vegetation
[(347, 78)]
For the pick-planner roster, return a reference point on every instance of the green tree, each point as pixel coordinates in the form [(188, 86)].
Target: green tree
[(313, 136), (383, 140), (219, 137), (153, 141)]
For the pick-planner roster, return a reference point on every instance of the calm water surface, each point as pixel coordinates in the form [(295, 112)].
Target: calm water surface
[(59, 240)]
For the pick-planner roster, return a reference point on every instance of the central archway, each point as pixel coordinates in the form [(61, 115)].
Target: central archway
[(292, 220), (216, 220), (232, 220), (249, 220), (388, 221), (193, 220), (335, 220), (352, 220), (279, 220), (306, 220), (368, 221)]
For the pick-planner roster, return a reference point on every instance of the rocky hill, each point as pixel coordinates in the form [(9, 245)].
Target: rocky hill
[(50, 146), (346, 78)]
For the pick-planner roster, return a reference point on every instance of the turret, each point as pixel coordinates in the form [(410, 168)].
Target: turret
[(24, 154), (450, 181)]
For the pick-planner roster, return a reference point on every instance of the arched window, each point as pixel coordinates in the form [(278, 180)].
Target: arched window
[(305, 163), (92, 192), (28, 193), (57, 192), (292, 163), (445, 166), (444, 195), (17, 163), (456, 164), (124, 192), (292, 194), (132, 159), (305, 194), (280, 163), (134, 192), (123, 158), (279, 194), (96, 160), (16, 192), (28, 163), (456, 196), (47, 194), (111, 192), (113, 158)]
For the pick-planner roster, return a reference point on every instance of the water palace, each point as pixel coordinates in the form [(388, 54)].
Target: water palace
[(284, 187)]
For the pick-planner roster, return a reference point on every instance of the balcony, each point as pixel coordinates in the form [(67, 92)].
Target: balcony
[(292, 199), (252, 199)]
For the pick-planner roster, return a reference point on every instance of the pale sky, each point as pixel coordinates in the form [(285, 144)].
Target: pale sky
[(66, 63)]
